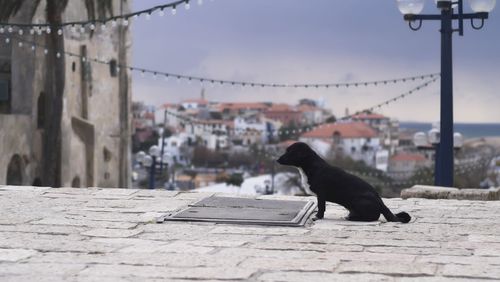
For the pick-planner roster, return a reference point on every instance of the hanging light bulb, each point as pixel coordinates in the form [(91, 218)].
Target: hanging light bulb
[(125, 22), (166, 77), (10, 29), (39, 31), (113, 23), (187, 5), (84, 59), (148, 16), (21, 32), (48, 30), (174, 10), (58, 55), (45, 51), (82, 29), (2, 30), (59, 32), (33, 47), (73, 29), (103, 26), (161, 13), (92, 26), (142, 73), (7, 40), (20, 44), (117, 69)]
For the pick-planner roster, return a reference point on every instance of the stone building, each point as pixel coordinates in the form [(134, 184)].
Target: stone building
[(95, 127)]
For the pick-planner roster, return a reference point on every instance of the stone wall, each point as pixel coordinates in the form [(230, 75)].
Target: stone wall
[(93, 154)]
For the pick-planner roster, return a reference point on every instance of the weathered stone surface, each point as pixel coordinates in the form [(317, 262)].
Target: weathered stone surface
[(435, 192), (296, 276), (13, 255), (394, 268), (98, 235), (427, 192)]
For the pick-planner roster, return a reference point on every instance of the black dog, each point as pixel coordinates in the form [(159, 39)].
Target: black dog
[(335, 185)]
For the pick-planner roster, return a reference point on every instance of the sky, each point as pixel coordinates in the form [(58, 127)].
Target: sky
[(319, 41)]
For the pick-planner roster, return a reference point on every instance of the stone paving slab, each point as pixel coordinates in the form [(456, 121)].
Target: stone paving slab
[(99, 234)]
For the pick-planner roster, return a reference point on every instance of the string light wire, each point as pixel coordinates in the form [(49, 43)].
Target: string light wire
[(155, 74)]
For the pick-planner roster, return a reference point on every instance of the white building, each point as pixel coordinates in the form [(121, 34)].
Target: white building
[(354, 139)]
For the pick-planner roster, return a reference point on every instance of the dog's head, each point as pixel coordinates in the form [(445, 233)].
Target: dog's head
[(296, 155)]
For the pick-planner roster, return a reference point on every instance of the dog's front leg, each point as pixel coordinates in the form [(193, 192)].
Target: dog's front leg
[(321, 207)]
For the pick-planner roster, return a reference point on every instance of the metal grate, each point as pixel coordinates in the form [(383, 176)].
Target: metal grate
[(246, 211)]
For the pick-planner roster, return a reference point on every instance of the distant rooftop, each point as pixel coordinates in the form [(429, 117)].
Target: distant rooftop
[(345, 129)]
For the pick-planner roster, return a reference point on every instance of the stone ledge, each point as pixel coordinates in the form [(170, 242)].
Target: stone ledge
[(436, 192)]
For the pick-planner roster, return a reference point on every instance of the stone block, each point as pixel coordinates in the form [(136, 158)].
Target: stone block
[(297, 276), (436, 192), (475, 271), (13, 255), (396, 269), (427, 192)]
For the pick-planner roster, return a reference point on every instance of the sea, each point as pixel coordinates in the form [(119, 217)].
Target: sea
[(468, 130)]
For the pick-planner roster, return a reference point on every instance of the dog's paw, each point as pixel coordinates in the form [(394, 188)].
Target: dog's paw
[(317, 217)]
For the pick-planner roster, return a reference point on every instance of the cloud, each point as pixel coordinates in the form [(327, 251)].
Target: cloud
[(295, 42)]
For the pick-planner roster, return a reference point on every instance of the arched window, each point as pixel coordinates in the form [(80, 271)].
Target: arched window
[(76, 182), (37, 182), (15, 171), (40, 120)]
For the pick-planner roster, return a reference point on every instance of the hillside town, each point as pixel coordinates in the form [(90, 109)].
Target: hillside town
[(201, 142)]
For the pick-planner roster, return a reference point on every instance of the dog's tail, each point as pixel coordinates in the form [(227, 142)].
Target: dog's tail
[(399, 217)]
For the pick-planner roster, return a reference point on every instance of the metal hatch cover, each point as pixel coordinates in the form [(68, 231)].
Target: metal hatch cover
[(246, 211)]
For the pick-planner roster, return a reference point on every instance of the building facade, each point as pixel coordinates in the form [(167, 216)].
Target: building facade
[(95, 122)]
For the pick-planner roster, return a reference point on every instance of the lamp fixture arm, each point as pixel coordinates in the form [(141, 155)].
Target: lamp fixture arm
[(417, 27)]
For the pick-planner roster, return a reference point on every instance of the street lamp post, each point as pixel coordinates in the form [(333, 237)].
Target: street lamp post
[(149, 161), (411, 10)]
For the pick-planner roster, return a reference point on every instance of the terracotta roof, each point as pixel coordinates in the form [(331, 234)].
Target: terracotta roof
[(280, 108), (346, 130), (369, 116), (307, 108), (169, 105), (199, 101), (404, 157), (242, 106)]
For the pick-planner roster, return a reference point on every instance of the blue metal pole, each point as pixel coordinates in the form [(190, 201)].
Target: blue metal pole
[(445, 152), (162, 138), (152, 174)]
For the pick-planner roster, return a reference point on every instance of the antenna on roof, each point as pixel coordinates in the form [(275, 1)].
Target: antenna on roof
[(203, 93)]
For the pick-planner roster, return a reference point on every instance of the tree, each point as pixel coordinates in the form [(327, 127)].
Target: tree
[(55, 74), (235, 179)]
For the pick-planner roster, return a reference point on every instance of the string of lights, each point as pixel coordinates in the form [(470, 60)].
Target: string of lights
[(226, 130), (93, 24), (168, 76)]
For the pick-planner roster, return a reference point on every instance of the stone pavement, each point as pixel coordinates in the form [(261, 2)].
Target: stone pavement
[(110, 235)]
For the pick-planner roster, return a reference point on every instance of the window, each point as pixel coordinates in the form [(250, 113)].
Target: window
[(5, 86), (113, 68), (73, 66), (106, 154)]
